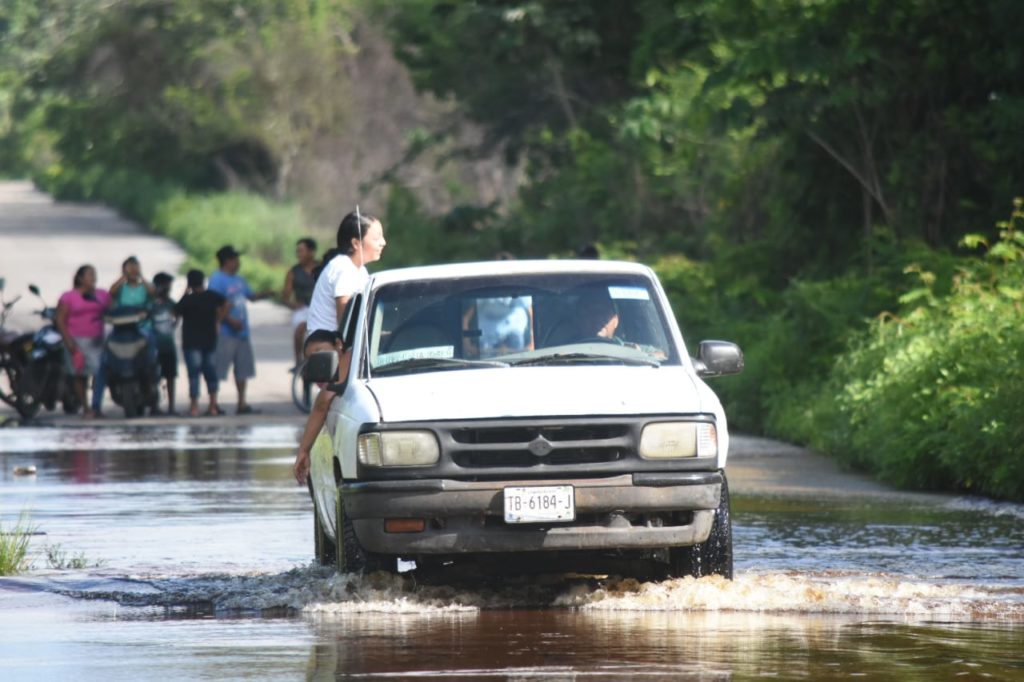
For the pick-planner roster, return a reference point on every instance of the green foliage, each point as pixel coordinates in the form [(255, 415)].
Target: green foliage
[(208, 94), (263, 229), (14, 543), (929, 397)]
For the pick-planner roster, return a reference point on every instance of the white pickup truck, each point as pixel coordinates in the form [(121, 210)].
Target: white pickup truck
[(542, 414)]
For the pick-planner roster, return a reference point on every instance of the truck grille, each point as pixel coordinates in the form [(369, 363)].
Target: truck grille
[(523, 446)]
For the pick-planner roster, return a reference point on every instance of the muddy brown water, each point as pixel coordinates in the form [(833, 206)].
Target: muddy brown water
[(197, 550)]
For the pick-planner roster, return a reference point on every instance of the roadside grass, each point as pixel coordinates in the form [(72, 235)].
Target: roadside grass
[(14, 542), (60, 559), (264, 230)]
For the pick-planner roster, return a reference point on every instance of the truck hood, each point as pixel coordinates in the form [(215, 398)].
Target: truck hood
[(537, 392)]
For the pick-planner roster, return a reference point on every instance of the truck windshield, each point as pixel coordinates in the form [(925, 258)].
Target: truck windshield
[(517, 321)]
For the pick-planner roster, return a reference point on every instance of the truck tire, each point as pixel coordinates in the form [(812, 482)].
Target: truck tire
[(323, 546), (714, 555), (351, 557)]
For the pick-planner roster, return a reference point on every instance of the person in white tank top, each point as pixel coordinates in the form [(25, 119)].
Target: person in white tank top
[(360, 241)]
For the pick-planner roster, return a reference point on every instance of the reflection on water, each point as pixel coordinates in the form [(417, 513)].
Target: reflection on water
[(558, 645), (147, 437), (205, 545)]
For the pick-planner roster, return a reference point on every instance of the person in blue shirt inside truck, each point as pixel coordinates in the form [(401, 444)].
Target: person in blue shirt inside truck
[(234, 344)]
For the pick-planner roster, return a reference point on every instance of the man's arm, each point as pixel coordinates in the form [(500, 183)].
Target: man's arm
[(116, 286), (61, 322), (222, 311), (288, 289)]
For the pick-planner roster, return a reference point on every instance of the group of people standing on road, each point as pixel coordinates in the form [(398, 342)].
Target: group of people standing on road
[(215, 331), (80, 321)]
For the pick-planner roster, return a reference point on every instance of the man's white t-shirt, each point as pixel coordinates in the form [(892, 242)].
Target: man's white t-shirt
[(340, 277)]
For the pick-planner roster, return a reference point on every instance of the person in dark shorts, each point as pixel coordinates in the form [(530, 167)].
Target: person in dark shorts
[(201, 311), (164, 322)]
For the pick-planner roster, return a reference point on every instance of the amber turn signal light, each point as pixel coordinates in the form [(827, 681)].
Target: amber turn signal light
[(404, 525)]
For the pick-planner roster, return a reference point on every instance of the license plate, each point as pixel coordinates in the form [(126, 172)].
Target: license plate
[(538, 504)]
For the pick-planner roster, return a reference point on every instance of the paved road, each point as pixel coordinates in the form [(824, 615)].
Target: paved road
[(43, 242)]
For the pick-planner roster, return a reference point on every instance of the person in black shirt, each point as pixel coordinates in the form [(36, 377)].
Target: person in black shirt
[(200, 311), (298, 291)]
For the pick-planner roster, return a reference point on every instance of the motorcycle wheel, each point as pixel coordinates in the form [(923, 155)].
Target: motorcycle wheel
[(25, 402), (26, 405), (131, 399)]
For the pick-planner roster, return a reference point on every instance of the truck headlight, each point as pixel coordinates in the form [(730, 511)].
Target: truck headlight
[(398, 449), (675, 440)]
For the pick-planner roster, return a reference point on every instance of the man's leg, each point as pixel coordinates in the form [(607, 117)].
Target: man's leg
[(170, 395), (240, 385), (245, 369), (193, 359), (212, 381), (99, 383)]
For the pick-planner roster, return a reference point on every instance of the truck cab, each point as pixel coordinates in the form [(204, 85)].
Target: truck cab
[(545, 413)]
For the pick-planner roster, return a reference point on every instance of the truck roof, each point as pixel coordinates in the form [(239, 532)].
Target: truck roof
[(509, 267)]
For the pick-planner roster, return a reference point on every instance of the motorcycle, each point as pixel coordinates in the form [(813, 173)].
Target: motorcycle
[(33, 364), (133, 375)]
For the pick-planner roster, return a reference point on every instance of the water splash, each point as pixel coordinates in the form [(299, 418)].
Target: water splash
[(320, 591)]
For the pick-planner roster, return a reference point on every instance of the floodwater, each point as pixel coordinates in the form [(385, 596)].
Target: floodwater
[(197, 566)]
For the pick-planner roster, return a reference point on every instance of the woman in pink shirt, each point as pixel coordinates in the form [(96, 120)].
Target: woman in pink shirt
[(80, 322)]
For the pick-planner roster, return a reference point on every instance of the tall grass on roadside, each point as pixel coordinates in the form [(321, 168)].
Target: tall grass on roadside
[(14, 541), (264, 230)]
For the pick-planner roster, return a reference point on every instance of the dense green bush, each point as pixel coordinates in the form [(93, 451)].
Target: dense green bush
[(930, 397)]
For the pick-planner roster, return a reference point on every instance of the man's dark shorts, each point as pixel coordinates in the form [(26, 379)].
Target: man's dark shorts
[(168, 359)]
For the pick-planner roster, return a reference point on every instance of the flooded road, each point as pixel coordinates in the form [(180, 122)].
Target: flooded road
[(193, 552)]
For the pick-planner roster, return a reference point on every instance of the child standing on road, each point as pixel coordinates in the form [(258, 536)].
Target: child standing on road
[(164, 322), (201, 311)]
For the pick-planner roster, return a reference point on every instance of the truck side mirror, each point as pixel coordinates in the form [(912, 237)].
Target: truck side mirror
[(321, 367), (718, 358)]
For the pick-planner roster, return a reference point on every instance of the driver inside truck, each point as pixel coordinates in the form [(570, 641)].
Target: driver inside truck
[(596, 316)]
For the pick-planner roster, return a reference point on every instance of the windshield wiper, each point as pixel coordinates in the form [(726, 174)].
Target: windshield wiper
[(427, 364), (583, 359)]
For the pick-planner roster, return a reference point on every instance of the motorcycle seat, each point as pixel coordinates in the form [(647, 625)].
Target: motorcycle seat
[(126, 350)]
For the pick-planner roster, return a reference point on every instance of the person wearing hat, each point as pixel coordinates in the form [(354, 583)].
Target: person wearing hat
[(234, 346)]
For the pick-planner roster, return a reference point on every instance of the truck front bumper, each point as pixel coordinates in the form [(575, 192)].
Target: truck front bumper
[(631, 511)]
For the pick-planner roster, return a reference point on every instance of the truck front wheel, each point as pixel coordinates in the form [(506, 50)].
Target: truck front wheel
[(351, 557), (324, 546), (714, 555)]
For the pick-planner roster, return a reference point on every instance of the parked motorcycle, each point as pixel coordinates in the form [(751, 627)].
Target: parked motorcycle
[(33, 365), (133, 375)]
